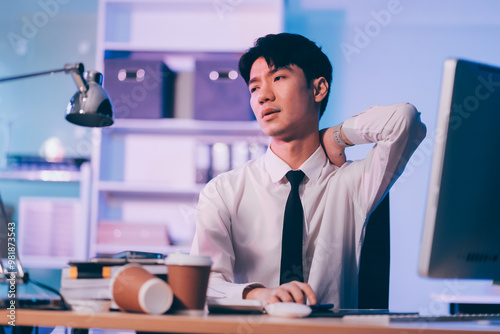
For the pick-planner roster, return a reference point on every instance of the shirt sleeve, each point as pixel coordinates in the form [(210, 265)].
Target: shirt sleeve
[(213, 238), (396, 131)]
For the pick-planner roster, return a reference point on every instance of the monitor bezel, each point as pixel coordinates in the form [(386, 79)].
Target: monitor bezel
[(437, 259)]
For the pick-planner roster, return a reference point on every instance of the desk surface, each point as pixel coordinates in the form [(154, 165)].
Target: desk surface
[(246, 323)]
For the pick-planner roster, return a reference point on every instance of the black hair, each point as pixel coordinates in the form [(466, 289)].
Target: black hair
[(282, 50)]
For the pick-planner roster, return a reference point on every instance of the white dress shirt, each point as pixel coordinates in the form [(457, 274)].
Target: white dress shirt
[(240, 213)]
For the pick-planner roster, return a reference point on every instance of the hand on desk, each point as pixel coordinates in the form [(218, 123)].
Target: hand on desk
[(294, 291)]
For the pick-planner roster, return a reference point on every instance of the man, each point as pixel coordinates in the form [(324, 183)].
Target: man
[(240, 221)]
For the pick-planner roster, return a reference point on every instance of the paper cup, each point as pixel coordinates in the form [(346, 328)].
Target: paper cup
[(188, 277), (135, 289)]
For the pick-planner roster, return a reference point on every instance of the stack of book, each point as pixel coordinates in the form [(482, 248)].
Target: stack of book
[(86, 286)]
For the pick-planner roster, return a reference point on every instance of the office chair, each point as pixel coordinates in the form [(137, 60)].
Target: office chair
[(373, 277)]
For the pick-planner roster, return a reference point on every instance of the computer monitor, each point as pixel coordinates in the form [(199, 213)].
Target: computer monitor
[(461, 237)]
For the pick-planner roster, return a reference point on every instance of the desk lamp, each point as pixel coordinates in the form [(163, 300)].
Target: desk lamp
[(90, 106)]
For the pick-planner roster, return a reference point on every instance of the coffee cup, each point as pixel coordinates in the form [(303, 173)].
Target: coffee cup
[(188, 277), (135, 289)]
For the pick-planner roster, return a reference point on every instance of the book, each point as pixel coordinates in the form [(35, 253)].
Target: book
[(97, 288), (94, 293), (90, 270)]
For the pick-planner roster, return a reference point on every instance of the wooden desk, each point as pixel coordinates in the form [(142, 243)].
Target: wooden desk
[(246, 323)]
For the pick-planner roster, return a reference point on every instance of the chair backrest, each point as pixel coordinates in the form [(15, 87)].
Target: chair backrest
[(373, 279)]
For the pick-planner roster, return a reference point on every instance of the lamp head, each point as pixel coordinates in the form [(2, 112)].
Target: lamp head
[(90, 106)]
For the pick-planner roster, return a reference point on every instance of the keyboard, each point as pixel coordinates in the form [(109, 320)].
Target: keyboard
[(442, 318), (415, 318), (341, 313)]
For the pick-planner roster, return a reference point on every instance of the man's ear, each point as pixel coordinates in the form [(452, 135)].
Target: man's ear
[(320, 89)]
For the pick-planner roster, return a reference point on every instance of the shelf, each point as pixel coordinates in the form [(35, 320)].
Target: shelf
[(113, 249), (146, 169), (54, 262), (41, 175), (127, 24), (185, 127), (121, 188)]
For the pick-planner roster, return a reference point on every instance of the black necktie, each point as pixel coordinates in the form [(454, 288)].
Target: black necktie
[(291, 247)]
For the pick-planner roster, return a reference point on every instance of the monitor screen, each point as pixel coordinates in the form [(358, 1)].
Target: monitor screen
[(461, 237)]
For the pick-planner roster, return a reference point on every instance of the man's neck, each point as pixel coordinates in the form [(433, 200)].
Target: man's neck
[(296, 152)]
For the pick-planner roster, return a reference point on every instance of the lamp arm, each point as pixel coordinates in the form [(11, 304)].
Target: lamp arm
[(76, 70), (32, 75)]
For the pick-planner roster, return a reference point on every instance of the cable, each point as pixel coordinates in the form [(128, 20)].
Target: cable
[(64, 304)]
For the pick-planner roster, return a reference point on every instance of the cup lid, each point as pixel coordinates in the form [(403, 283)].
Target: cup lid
[(182, 259)]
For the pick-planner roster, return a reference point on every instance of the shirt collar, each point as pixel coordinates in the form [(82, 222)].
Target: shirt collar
[(312, 167)]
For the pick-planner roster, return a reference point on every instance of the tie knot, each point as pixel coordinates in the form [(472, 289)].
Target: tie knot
[(295, 177)]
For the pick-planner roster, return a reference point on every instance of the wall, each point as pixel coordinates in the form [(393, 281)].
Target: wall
[(39, 36), (387, 51)]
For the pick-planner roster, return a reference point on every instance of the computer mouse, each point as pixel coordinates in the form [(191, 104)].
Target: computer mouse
[(288, 310)]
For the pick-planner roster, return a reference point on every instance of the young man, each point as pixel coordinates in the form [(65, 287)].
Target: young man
[(240, 221)]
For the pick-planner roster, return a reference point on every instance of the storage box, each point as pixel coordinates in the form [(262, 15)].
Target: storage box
[(139, 88), (221, 94)]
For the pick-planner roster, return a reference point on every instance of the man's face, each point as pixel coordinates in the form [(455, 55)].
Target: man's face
[(282, 101)]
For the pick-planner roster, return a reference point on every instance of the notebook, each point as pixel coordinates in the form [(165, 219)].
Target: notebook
[(15, 286)]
